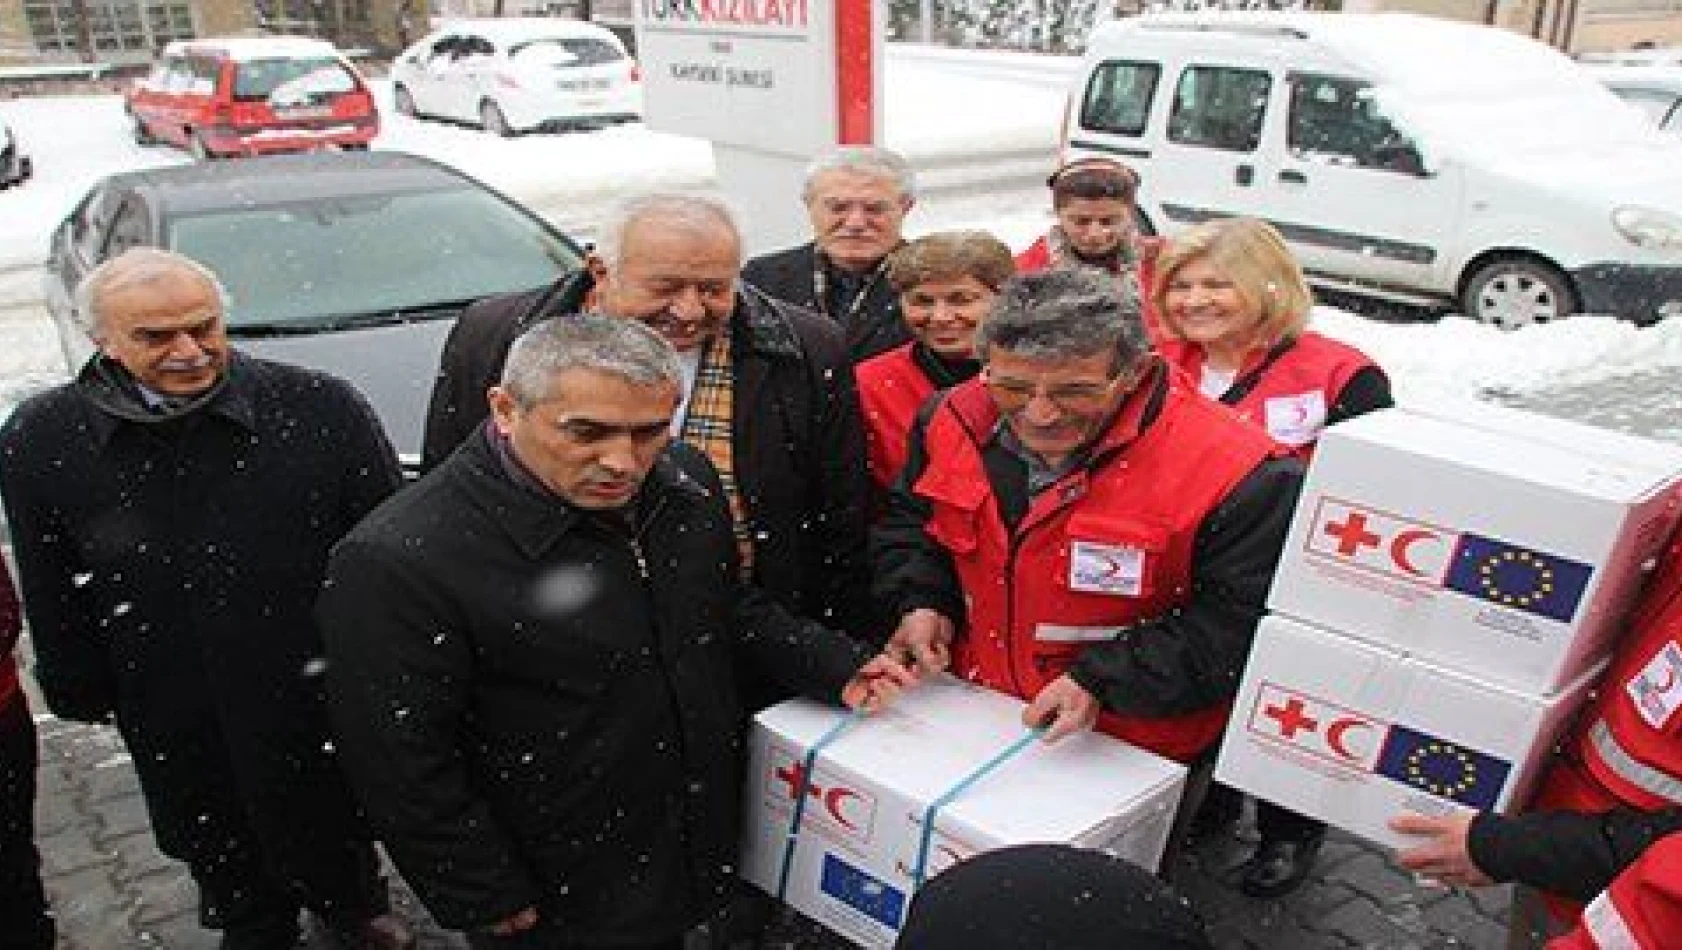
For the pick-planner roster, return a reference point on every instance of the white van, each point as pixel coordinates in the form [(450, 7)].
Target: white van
[(1401, 156)]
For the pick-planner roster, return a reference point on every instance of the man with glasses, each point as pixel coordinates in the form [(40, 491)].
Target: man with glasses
[(1079, 528), (857, 198)]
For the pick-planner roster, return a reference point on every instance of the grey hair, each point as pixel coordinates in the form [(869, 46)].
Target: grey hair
[(137, 265), (586, 341), (693, 213), (870, 160), (1066, 314)]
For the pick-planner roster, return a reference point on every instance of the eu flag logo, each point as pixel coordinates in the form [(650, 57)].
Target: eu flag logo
[(1543, 584), (1442, 768), (862, 891)]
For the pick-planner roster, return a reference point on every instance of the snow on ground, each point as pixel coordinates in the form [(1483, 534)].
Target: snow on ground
[(941, 106)]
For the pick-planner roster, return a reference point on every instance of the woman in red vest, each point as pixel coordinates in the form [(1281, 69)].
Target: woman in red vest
[(25, 923), (1234, 309), (1097, 228), (946, 281)]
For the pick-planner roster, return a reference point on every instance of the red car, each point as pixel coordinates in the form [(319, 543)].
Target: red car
[(252, 96)]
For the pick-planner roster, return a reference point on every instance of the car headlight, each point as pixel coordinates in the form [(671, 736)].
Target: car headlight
[(1649, 227)]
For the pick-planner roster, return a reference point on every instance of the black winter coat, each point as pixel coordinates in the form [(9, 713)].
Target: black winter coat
[(539, 710), (169, 568), (790, 276), (1573, 854), (797, 438)]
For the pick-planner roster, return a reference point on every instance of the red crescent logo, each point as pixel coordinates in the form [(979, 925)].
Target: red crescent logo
[(1335, 733), (832, 802), (1669, 680), (1404, 541)]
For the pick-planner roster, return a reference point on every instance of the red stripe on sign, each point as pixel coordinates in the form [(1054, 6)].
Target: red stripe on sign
[(855, 72)]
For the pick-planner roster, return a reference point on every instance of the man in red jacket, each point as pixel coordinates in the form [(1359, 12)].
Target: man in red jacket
[(1079, 528), (25, 923), (1622, 757)]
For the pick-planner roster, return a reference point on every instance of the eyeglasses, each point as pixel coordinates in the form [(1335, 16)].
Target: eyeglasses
[(1012, 394)]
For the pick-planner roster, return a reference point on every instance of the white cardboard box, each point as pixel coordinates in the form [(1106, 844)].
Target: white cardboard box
[(1354, 734), (861, 827), (1498, 542)]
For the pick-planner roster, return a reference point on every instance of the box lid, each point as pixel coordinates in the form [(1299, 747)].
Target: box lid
[(1524, 446)]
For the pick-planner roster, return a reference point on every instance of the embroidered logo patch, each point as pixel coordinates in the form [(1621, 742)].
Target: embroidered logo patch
[(1298, 419), (1106, 569), (1657, 689)]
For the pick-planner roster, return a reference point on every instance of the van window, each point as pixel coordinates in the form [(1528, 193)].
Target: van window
[(258, 79), (1118, 98), (1219, 107), (1338, 121)]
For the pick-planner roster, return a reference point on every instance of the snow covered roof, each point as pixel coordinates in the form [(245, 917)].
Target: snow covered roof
[(241, 48), (514, 29)]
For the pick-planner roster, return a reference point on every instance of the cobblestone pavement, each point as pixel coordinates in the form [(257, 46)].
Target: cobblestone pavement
[(112, 890)]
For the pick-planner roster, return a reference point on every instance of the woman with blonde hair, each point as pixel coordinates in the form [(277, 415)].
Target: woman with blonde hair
[(946, 282), (1234, 309)]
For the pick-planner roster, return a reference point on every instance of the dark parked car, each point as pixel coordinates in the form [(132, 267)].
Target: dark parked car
[(15, 166), (353, 263)]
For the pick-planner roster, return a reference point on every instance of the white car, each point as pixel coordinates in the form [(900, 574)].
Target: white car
[(519, 75), (1655, 90)]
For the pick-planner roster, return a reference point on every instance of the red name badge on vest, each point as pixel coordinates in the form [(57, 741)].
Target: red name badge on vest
[(1298, 419), (1657, 689), (1106, 569)]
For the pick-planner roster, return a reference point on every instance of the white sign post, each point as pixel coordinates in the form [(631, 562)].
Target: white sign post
[(771, 83)]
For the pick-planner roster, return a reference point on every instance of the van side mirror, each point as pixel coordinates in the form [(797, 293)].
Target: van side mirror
[(1400, 157)]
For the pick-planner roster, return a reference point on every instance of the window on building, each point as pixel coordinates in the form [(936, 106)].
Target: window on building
[(118, 29)]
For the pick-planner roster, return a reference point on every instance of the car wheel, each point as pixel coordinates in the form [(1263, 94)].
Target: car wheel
[(1512, 292), (492, 120), (404, 102), (198, 149)]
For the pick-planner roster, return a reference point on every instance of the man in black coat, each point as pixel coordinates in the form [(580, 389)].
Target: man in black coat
[(172, 509), (791, 445), (533, 653), (857, 198)]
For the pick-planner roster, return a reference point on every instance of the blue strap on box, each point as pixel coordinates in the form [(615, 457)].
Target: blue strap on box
[(963, 785), (802, 789)]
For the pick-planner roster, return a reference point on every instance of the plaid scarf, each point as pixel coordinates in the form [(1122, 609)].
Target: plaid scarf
[(707, 426)]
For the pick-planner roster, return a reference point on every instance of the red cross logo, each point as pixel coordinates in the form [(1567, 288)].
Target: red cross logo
[(1352, 535), (1291, 718), (834, 799), (795, 775)]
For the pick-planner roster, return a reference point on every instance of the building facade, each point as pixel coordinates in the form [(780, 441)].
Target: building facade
[(132, 31)]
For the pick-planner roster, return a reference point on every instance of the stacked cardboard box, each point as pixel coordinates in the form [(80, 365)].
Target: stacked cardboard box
[(860, 836), (1453, 581)]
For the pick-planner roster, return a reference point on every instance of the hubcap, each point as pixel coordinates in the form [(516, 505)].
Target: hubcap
[(1516, 299)]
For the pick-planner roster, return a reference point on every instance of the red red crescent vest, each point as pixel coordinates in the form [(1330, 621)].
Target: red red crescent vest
[(1642, 910), (1626, 746), (891, 390), (1293, 396), (1109, 545)]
